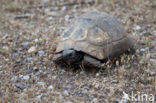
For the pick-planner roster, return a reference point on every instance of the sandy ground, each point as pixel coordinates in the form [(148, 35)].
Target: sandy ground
[(28, 31)]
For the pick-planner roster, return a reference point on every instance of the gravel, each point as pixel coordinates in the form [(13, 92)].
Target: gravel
[(27, 45)]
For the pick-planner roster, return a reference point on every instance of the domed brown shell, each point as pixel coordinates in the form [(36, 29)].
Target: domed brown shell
[(97, 34)]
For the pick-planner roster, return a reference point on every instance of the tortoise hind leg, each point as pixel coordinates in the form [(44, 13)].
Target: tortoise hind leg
[(90, 62)]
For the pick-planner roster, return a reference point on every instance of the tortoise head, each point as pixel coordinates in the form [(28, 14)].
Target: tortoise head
[(72, 56)]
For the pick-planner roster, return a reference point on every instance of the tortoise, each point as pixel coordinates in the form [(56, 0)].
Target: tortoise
[(91, 39)]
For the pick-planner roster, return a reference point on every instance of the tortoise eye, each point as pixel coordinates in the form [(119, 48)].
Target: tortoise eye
[(78, 33), (67, 33)]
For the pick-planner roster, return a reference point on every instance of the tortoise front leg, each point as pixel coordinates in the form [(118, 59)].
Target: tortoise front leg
[(89, 62)]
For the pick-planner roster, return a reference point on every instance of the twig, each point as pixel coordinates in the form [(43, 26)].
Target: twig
[(65, 4), (21, 16)]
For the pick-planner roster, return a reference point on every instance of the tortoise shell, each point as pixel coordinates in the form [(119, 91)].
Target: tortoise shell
[(97, 34)]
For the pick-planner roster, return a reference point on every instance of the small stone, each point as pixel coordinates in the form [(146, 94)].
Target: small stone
[(50, 18), (35, 69), (45, 1), (79, 93), (82, 72), (15, 79), (69, 86), (63, 8), (28, 71), (41, 52), (36, 40), (97, 74), (65, 92), (68, 102), (67, 18), (32, 49), (29, 59), (86, 87), (142, 50), (25, 44), (96, 86), (137, 27), (20, 86), (50, 87), (26, 77), (41, 83), (95, 100), (39, 62), (5, 47), (39, 96)]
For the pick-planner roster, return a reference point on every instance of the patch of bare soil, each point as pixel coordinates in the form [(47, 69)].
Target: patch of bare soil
[(28, 33)]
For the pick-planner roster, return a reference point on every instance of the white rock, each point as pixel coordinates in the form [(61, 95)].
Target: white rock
[(137, 27), (63, 8), (67, 18), (36, 40), (68, 102), (14, 79), (26, 77), (50, 87), (25, 44), (32, 49), (65, 92), (96, 86), (41, 52), (97, 74), (41, 83), (45, 1), (5, 47)]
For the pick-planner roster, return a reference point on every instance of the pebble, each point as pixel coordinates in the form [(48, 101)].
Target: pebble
[(29, 59), (82, 73), (153, 60), (41, 83), (67, 18), (41, 52), (68, 102), (35, 69), (45, 1), (65, 92), (49, 18), (15, 79), (63, 8), (50, 87), (26, 77), (5, 47), (32, 49), (86, 87), (25, 44), (20, 86), (79, 93), (28, 71), (36, 40), (137, 27), (96, 86), (97, 74), (94, 100), (39, 62), (69, 86)]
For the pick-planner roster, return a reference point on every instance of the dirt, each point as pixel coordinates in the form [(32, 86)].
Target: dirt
[(28, 34)]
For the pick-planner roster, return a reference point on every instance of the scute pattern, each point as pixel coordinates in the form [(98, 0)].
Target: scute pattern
[(97, 34)]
